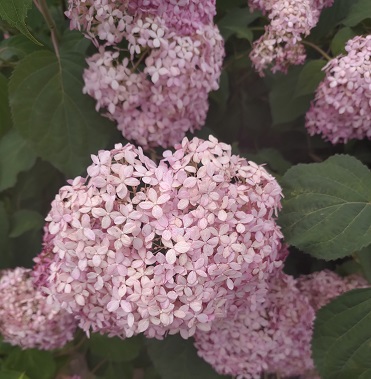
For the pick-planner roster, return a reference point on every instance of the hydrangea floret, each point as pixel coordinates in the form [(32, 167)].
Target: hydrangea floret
[(26, 319), (140, 247), (341, 110)]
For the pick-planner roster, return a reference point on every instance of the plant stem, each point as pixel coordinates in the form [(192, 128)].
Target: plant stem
[(42, 6), (317, 48)]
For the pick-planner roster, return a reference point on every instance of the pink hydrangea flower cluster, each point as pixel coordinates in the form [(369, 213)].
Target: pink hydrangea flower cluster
[(279, 47), (158, 90), (342, 107), (276, 336), (323, 286), (140, 247), (26, 319)]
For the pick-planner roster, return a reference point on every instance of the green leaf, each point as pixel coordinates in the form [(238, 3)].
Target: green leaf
[(285, 106), (53, 115), (7, 374), (340, 39), (342, 337), (73, 40), (330, 18), (359, 11), (175, 357), (15, 156), (115, 349), (15, 13), (327, 207), (5, 118), (310, 77), (236, 21), (35, 363), (24, 221)]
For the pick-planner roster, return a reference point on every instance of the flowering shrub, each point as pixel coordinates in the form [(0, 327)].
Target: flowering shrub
[(185, 189)]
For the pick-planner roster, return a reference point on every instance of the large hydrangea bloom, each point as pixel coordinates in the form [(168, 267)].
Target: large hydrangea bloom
[(157, 90), (26, 319), (275, 337), (279, 47), (140, 247), (342, 109)]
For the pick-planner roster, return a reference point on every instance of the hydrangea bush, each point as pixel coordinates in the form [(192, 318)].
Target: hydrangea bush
[(185, 189)]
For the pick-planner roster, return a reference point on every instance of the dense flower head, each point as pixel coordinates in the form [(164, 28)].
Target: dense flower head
[(140, 247), (26, 319), (323, 286), (342, 107), (290, 20), (168, 96), (274, 338), (156, 85), (109, 22)]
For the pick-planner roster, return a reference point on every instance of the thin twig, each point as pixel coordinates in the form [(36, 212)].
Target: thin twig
[(317, 48), (42, 6)]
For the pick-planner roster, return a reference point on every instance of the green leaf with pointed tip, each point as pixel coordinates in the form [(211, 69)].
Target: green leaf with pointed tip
[(52, 114), (327, 207), (340, 39), (175, 357), (15, 156), (236, 21), (342, 337), (359, 11), (285, 106), (310, 77), (15, 12)]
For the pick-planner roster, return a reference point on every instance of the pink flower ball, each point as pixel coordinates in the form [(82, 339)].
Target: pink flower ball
[(323, 286), (140, 247), (279, 47), (274, 338), (341, 110), (26, 319), (158, 102)]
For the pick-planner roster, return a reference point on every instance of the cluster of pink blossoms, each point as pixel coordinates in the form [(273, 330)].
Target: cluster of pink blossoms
[(276, 336), (279, 47), (158, 90), (140, 247), (26, 319), (342, 107)]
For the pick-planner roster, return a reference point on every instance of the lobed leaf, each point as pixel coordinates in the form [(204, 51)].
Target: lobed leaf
[(327, 207)]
